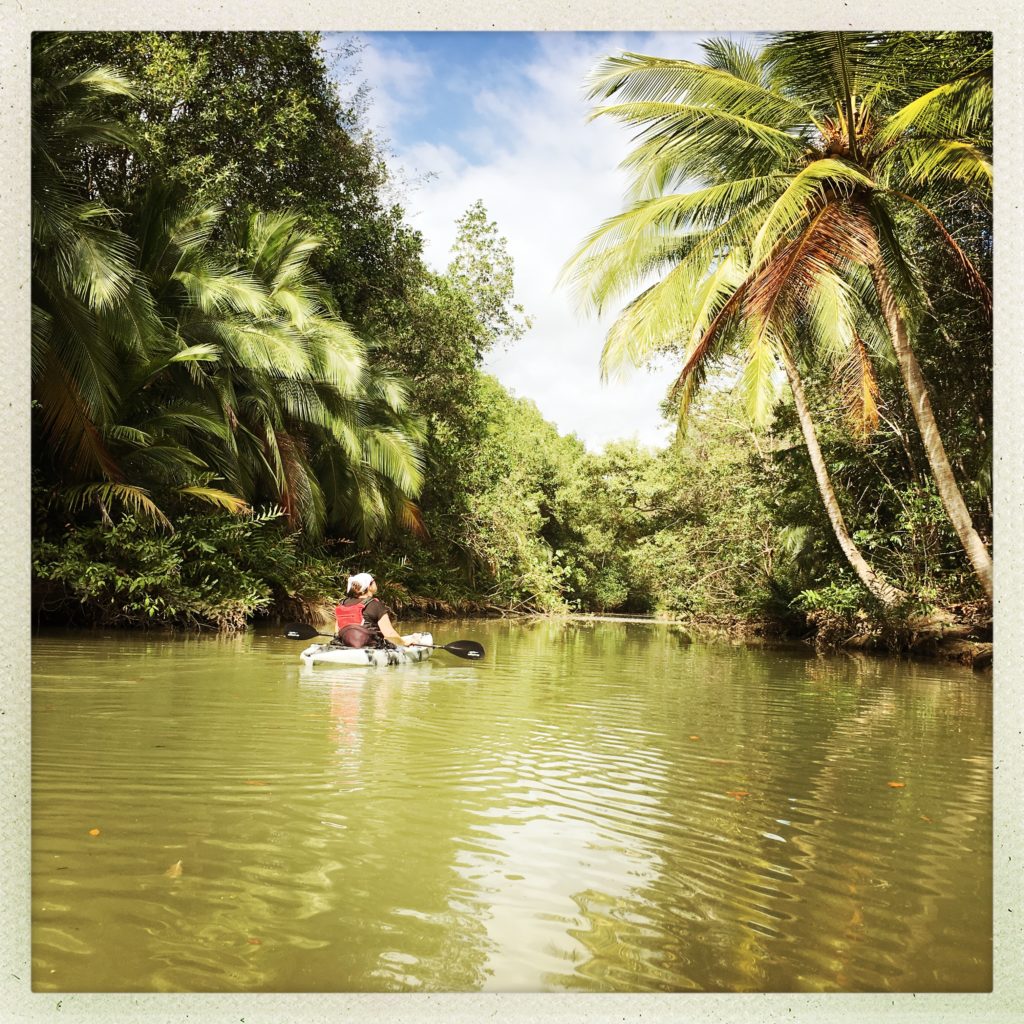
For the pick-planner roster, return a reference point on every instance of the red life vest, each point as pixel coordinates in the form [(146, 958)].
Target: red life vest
[(350, 614)]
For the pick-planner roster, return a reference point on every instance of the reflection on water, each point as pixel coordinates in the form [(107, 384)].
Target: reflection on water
[(598, 806)]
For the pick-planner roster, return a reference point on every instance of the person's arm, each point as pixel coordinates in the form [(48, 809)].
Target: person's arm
[(388, 631)]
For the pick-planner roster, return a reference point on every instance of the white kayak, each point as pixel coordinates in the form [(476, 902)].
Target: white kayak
[(333, 654)]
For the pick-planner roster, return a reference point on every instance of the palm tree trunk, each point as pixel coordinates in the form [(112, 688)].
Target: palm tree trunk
[(942, 472), (884, 592)]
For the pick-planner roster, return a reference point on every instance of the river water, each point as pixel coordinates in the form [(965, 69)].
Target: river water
[(596, 806)]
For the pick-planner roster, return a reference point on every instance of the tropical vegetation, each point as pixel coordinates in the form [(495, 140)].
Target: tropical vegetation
[(247, 381), (773, 196)]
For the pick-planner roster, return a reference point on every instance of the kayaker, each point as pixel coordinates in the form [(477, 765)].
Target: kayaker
[(361, 608)]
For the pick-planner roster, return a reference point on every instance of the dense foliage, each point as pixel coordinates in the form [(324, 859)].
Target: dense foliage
[(247, 382), (212, 570), (795, 208)]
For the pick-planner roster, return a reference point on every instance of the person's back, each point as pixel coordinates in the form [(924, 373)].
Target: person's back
[(349, 618), (364, 620)]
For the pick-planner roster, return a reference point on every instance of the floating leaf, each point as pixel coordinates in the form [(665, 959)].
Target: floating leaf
[(738, 794), (694, 737), (896, 785), (94, 831), (924, 817), (254, 942), (174, 871)]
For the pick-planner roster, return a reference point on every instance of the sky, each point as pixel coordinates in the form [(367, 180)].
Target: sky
[(502, 117)]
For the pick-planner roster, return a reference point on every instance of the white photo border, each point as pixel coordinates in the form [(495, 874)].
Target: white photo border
[(17, 1001)]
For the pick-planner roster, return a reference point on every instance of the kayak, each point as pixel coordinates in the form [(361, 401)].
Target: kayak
[(333, 654)]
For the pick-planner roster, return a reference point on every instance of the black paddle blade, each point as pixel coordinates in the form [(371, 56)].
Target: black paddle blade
[(300, 631), (465, 649)]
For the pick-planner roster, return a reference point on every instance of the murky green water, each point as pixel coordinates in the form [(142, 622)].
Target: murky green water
[(596, 807)]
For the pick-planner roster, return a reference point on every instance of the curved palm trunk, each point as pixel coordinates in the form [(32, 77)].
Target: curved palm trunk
[(884, 592), (942, 472)]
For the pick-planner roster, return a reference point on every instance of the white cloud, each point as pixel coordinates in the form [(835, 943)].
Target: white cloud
[(398, 80), (548, 179)]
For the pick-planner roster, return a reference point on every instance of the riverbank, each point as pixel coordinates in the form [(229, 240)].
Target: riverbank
[(115, 599), (964, 637), (963, 642)]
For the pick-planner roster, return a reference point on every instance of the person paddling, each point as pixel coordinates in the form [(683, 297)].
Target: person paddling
[(363, 620)]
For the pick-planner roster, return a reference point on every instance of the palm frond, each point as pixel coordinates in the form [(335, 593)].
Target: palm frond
[(300, 496), (923, 162), (668, 314), (129, 435), (672, 129), (77, 246), (832, 313), (391, 391), (816, 185), (337, 356), (827, 71), (635, 77), (858, 388), (971, 272), (410, 517), (904, 277), (626, 248), (73, 423), (757, 381), (958, 109), (187, 420), (704, 351), (836, 237), (195, 354), (88, 82), (266, 347), (217, 291), (389, 453), (739, 61), (221, 499), (135, 499)]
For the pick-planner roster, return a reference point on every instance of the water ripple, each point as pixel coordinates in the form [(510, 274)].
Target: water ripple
[(596, 807)]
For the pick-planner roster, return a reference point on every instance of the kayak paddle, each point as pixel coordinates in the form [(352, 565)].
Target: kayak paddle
[(468, 649), (300, 631)]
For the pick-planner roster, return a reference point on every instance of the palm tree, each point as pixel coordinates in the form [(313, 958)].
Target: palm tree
[(272, 384), (92, 315), (162, 368), (800, 163), (88, 309)]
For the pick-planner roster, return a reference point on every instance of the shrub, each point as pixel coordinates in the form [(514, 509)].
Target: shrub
[(215, 571)]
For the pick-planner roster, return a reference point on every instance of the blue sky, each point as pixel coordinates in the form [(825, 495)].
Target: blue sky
[(501, 117), (459, 63)]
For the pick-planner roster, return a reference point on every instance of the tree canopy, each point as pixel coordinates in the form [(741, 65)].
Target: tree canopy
[(240, 356)]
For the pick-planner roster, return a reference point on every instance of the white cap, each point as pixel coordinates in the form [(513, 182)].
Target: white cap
[(361, 579)]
